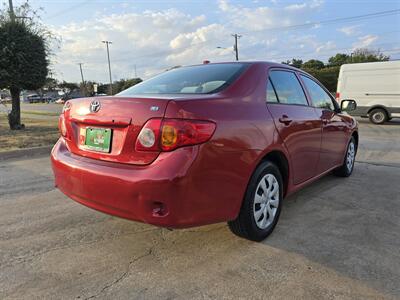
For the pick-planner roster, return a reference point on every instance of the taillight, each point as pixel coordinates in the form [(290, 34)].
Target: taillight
[(337, 96), (61, 121), (61, 126), (67, 106), (169, 134), (177, 133), (148, 137)]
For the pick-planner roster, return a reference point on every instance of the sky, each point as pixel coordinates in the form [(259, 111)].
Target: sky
[(149, 37)]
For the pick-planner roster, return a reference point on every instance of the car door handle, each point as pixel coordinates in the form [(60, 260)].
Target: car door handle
[(285, 120)]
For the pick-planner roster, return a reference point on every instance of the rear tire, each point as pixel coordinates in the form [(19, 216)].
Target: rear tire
[(378, 116), (261, 205), (346, 169)]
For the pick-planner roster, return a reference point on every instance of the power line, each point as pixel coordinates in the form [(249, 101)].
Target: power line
[(67, 10), (331, 21), (282, 28), (291, 27), (168, 51), (326, 53)]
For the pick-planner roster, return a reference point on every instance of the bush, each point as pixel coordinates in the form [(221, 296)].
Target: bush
[(327, 76)]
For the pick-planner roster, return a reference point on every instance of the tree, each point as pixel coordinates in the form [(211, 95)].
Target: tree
[(366, 55), (297, 63), (339, 59), (327, 76), (23, 58), (313, 64), (50, 84), (68, 86), (361, 55), (123, 84)]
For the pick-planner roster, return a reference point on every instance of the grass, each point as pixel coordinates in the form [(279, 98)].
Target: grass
[(39, 131), (40, 113)]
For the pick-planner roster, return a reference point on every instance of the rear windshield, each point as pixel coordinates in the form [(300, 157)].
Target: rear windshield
[(202, 79)]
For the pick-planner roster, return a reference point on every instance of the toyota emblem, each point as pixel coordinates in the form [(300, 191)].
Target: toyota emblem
[(95, 106)]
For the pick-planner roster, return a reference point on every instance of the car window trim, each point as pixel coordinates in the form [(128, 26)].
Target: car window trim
[(336, 107), (273, 87), (298, 79)]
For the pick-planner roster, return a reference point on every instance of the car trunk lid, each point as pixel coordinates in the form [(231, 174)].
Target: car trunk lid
[(118, 119)]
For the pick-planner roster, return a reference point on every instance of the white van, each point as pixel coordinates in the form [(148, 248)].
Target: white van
[(375, 86)]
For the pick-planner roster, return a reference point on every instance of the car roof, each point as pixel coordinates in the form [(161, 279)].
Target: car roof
[(265, 63)]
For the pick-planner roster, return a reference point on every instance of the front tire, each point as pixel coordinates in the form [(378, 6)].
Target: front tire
[(261, 205), (346, 169), (378, 116)]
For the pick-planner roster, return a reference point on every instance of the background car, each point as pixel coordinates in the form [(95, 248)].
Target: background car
[(34, 98)]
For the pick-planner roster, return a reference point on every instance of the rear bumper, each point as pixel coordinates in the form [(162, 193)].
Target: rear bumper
[(157, 194)]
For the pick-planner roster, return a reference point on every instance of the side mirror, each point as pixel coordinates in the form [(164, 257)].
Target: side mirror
[(348, 105)]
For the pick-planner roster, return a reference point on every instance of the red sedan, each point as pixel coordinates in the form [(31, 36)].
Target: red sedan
[(204, 144)]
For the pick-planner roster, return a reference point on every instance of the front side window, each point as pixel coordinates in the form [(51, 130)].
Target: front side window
[(288, 88), (319, 96), (201, 79)]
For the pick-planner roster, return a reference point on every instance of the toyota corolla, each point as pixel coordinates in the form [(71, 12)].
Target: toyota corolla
[(204, 144)]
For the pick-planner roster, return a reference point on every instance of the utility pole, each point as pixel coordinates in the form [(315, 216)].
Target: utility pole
[(80, 67), (135, 72), (83, 80), (109, 65), (11, 11), (235, 46)]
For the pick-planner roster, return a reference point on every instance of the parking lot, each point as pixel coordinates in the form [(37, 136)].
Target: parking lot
[(338, 238)]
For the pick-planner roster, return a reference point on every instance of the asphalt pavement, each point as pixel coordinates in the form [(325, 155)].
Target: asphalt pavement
[(339, 238)]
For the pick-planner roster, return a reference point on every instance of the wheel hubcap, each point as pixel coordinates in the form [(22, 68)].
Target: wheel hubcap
[(266, 201), (351, 153), (378, 117)]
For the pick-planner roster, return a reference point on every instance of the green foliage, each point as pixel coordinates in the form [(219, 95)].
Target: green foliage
[(358, 56), (297, 63), (313, 64), (23, 57), (118, 86), (123, 84), (50, 84), (103, 89), (339, 59), (327, 76), (68, 86), (366, 55)]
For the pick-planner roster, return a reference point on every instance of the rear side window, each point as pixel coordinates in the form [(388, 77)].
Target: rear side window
[(319, 96), (288, 88), (271, 95)]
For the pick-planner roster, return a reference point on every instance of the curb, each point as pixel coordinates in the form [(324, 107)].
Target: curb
[(24, 153)]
